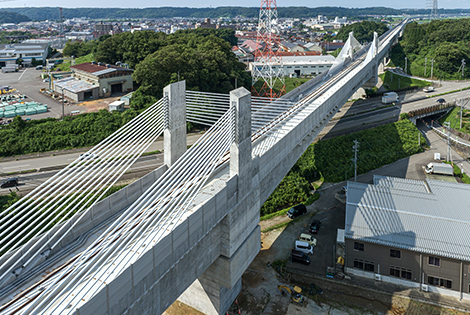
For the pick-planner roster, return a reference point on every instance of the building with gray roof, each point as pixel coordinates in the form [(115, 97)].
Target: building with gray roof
[(410, 232), (110, 79)]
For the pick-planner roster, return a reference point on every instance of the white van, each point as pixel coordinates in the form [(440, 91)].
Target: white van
[(308, 238), (303, 247)]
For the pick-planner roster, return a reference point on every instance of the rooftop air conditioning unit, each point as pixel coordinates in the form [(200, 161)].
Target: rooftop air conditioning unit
[(378, 277), (425, 287)]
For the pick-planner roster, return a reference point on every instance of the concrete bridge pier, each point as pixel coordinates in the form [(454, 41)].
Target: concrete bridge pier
[(174, 136), (216, 289)]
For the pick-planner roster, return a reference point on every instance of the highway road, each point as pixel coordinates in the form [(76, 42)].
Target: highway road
[(366, 114), (29, 181)]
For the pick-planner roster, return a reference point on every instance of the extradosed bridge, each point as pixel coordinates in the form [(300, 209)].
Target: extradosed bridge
[(189, 229)]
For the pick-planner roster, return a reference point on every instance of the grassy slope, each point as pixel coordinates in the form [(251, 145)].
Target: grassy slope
[(396, 82)]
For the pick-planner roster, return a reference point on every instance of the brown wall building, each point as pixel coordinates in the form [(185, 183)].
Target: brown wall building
[(411, 233)]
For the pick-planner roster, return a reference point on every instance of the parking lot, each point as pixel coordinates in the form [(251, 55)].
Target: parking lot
[(28, 81)]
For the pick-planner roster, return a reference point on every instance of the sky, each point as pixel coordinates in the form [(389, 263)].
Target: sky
[(397, 4)]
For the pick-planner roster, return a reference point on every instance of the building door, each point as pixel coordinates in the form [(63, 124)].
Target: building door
[(116, 88)]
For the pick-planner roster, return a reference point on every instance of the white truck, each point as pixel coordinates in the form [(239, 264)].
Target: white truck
[(10, 68), (439, 168), (390, 97), (428, 89)]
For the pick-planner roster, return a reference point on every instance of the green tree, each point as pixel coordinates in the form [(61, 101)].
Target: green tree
[(363, 31), (206, 63)]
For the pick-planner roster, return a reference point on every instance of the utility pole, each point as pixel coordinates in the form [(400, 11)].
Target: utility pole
[(355, 149), (447, 126), (432, 67), (406, 64), (461, 109), (425, 63)]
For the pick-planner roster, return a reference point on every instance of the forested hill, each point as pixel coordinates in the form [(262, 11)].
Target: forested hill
[(43, 13), (445, 41), (12, 17)]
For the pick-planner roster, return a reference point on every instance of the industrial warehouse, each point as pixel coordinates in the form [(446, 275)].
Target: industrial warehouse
[(410, 232)]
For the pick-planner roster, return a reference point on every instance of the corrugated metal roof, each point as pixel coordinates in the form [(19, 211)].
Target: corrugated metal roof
[(74, 85), (436, 222), (101, 72), (401, 183)]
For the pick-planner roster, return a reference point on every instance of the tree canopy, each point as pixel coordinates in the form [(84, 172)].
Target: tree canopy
[(12, 17), (362, 31), (444, 41), (206, 63), (202, 57)]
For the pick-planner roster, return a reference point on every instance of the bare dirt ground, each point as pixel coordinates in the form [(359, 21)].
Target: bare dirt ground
[(96, 105)]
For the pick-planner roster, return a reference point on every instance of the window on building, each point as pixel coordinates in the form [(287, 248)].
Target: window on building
[(358, 263), (406, 273), (395, 253), (438, 282), (434, 261), (433, 280), (395, 271), (445, 283), (369, 266), (359, 246)]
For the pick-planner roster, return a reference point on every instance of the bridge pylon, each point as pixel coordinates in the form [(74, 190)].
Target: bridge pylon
[(216, 289), (174, 136)]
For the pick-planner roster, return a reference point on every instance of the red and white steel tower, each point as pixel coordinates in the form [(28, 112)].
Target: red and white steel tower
[(267, 66)]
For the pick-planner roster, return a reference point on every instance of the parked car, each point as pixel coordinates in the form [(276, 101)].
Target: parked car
[(441, 101), (11, 182), (314, 227), (39, 67), (298, 256), (295, 211), (303, 247), (308, 238)]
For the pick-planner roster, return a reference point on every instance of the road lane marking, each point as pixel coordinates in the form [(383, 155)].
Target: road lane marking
[(9, 167), (22, 74)]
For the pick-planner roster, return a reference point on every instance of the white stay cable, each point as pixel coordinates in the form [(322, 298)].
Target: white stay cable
[(135, 210), (169, 209), (120, 164)]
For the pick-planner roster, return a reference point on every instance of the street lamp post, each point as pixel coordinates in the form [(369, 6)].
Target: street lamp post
[(406, 64)]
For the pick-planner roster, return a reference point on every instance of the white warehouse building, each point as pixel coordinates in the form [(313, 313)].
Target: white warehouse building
[(9, 53), (302, 65)]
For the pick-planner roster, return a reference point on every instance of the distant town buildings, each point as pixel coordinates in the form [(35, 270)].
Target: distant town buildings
[(101, 29)]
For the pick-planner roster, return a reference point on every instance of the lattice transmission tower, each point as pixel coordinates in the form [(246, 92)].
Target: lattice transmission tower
[(267, 66), (432, 4)]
